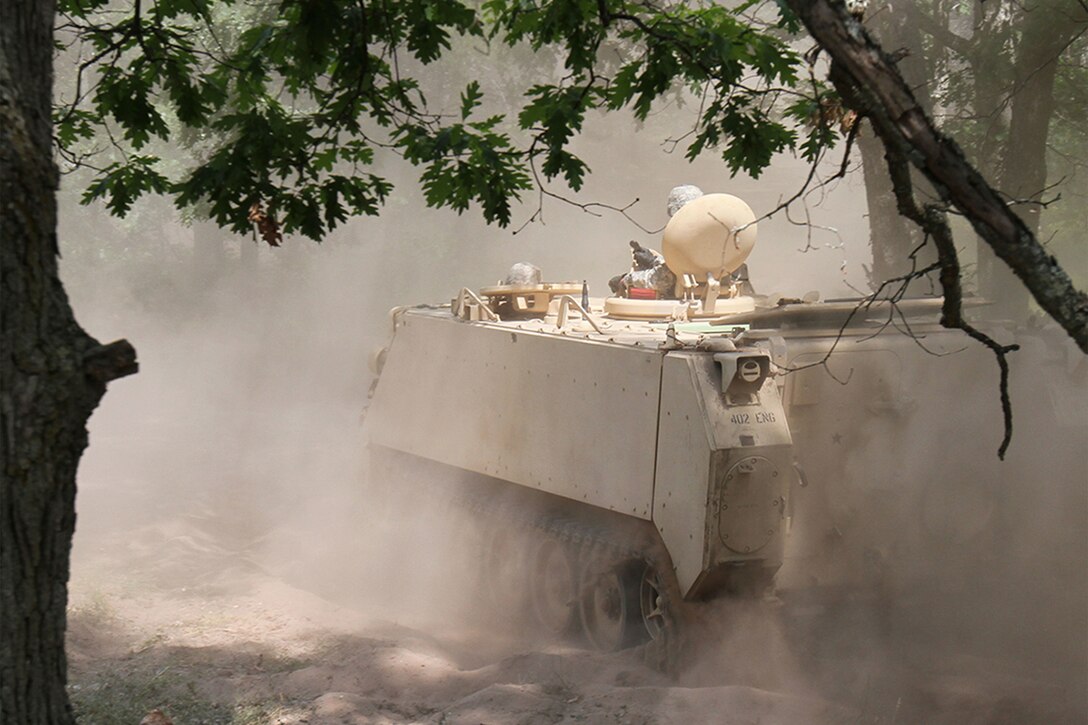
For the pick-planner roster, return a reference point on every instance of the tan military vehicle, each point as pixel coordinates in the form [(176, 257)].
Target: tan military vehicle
[(640, 454), (680, 441)]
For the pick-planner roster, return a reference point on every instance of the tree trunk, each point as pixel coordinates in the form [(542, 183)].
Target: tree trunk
[(891, 237), (209, 254), (52, 375), (249, 257), (1023, 173)]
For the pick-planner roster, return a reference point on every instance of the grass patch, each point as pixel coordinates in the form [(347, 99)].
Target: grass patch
[(124, 693), (259, 714), (120, 698), (124, 699), (94, 608)]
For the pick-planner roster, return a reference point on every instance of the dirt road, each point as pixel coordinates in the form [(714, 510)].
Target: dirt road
[(165, 616)]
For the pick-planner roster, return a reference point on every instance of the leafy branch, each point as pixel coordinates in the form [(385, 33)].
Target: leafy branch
[(292, 104)]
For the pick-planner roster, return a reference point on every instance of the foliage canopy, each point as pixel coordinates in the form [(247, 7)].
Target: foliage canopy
[(290, 101)]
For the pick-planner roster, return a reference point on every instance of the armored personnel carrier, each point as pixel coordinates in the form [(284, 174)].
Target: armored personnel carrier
[(628, 455)]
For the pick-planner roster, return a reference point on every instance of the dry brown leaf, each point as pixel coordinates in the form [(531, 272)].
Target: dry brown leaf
[(267, 226)]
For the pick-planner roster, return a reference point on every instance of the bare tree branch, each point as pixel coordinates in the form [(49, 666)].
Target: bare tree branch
[(860, 70), (932, 219)]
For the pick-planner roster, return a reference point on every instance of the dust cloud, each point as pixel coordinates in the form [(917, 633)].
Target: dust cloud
[(235, 562)]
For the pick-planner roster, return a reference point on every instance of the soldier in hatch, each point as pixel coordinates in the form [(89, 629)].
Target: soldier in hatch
[(650, 275)]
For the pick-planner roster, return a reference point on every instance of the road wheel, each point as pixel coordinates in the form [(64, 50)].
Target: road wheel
[(651, 603), (609, 604)]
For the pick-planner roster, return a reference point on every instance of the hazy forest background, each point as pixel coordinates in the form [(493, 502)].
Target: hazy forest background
[(235, 451), (985, 72), (982, 70)]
